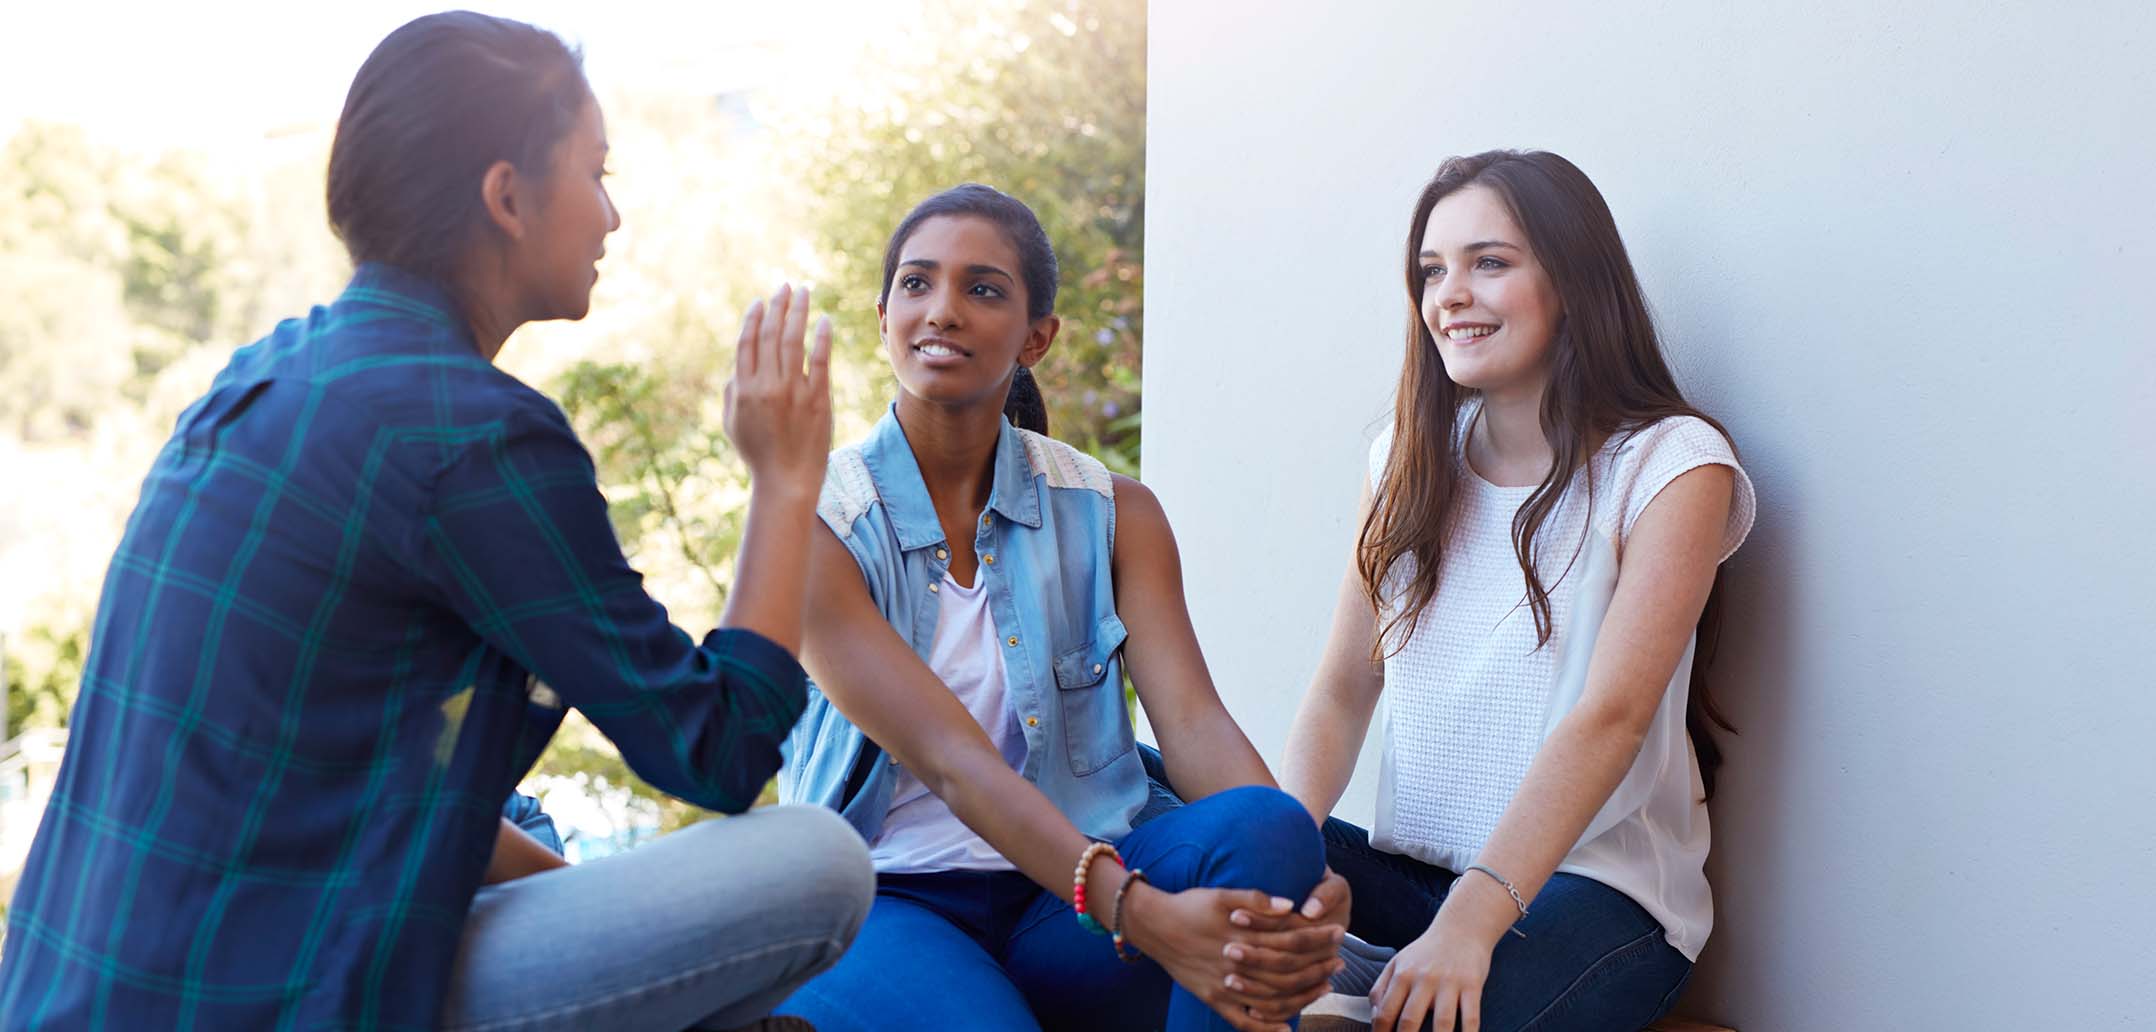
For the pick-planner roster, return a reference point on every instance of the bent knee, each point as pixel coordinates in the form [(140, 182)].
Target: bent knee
[(1273, 837)]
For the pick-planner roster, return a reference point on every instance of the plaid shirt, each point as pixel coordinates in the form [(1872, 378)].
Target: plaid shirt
[(311, 686)]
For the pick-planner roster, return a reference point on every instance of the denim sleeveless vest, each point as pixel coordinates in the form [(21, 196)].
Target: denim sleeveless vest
[(1045, 542)]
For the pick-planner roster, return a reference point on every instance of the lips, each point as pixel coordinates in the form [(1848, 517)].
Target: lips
[(1464, 333), (940, 348)]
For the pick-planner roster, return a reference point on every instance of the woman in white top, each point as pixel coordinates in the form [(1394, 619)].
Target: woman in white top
[(1541, 530)]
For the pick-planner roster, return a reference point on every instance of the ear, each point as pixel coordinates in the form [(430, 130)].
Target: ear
[(883, 323), (1039, 339), (499, 191)]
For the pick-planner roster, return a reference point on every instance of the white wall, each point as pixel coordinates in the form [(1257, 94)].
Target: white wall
[(1908, 253)]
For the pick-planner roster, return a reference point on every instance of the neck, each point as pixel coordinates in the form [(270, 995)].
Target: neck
[(488, 305), (956, 450), (1507, 445)]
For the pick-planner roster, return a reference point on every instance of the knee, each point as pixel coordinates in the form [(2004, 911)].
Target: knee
[(1273, 840), (835, 875)]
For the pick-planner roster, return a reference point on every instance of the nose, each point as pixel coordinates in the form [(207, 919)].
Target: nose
[(613, 214), (942, 309), (1452, 294)]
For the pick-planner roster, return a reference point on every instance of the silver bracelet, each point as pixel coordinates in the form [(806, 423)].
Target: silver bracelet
[(1517, 902)]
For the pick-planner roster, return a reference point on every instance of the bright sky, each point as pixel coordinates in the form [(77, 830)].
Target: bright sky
[(194, 74)]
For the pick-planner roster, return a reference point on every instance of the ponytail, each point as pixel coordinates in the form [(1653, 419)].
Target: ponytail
[(1025, 407)]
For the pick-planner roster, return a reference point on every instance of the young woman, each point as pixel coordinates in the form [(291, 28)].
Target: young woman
[(1542, 526), (978, 591), (365, 578)]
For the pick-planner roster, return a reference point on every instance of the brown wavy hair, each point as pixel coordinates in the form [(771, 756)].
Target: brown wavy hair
[(1606, 377)]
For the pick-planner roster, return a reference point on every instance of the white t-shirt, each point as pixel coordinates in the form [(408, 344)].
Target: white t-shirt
[(920, 834), (1470, 698)]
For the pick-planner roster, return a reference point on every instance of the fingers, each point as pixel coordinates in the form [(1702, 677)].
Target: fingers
[(1308, 941), (745, 349), (819, 361), (1387, 998), (1414, 1006), (797, 315), (1282, 974), (1250, 906), (1331, 895), (1444, 1007), (1470, 1011), (774, 327)]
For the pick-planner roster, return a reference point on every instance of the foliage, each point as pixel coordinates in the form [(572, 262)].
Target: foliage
[(125, 280)]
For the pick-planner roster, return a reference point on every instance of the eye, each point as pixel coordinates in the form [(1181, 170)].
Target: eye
[(986, 290), (1490, 262), (912, 282), (1431, 272)]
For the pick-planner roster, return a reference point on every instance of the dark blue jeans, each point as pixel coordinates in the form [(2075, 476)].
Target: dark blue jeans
[(1592, 960), (992, 951)]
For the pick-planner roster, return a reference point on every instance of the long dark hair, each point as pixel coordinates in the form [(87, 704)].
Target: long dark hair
[(1607, 376), (1037, 266), (437, 103)]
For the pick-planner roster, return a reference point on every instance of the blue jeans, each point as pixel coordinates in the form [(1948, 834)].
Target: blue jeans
[(992, 951), (710, 926), (1592, 959)]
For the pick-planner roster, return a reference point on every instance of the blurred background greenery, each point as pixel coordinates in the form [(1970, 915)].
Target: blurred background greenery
[(129, 273)]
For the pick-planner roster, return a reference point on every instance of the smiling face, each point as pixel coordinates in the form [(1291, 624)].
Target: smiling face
[(1487, 301), (557, 262), (954, 320)]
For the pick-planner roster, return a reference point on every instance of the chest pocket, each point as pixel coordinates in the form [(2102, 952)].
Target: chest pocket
[(1089, 690)]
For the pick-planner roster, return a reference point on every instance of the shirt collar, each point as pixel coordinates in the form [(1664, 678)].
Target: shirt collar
[(376, 285), (897, 476)]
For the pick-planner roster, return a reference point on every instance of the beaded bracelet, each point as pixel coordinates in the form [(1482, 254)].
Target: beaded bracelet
[(1136, 875), (1085, 860)]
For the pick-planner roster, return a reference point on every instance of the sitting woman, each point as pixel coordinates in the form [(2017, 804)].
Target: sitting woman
[(1541, 530), (967, 712), (367, 576)]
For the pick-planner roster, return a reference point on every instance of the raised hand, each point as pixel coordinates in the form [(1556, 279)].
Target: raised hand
[(778, 413)]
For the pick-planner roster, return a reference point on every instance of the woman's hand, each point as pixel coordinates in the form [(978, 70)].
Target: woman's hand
[(1440, 975), (777, 414), (1191, 936), (1258, 955)]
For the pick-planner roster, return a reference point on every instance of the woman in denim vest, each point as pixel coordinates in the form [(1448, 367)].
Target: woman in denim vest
[(977, 594)]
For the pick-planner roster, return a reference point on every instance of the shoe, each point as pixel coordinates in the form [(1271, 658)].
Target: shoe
[(1337, 1012), (1364, 963)]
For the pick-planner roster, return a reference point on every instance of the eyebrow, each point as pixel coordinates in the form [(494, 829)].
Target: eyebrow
[(1479, 245), (978, 270)]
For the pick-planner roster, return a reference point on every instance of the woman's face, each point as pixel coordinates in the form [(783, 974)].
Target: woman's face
[(1485, 297), (558, 260), (954, 322)]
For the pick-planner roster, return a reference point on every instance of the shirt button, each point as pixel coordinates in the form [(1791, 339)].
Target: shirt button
[(935, 586), (1033, 721), (1011, 641), (941, 554), (1096, 668), (989, 559), (984, 519)]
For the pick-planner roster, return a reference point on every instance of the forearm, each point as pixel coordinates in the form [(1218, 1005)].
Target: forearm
[(1210, 755), (770, 592), (517, 854), (1008, 811), (1571, 778), (1322, 748)]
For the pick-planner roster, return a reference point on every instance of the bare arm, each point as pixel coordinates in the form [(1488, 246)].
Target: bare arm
[(1334, 718), (878, 682), (1668, 570), (1204, 750), (778, 415), (517, 854)]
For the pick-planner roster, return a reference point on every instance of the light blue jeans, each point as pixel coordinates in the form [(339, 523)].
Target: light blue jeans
[(709, 927)]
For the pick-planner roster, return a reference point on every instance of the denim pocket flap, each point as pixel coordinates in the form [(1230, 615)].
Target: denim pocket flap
[(1084, 666)]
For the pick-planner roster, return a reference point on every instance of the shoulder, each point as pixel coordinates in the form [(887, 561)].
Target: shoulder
[(1067, 468), (848, 491), (1645, 459)]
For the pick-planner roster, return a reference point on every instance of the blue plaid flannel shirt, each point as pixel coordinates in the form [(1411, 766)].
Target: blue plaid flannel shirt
[(365, 576)]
